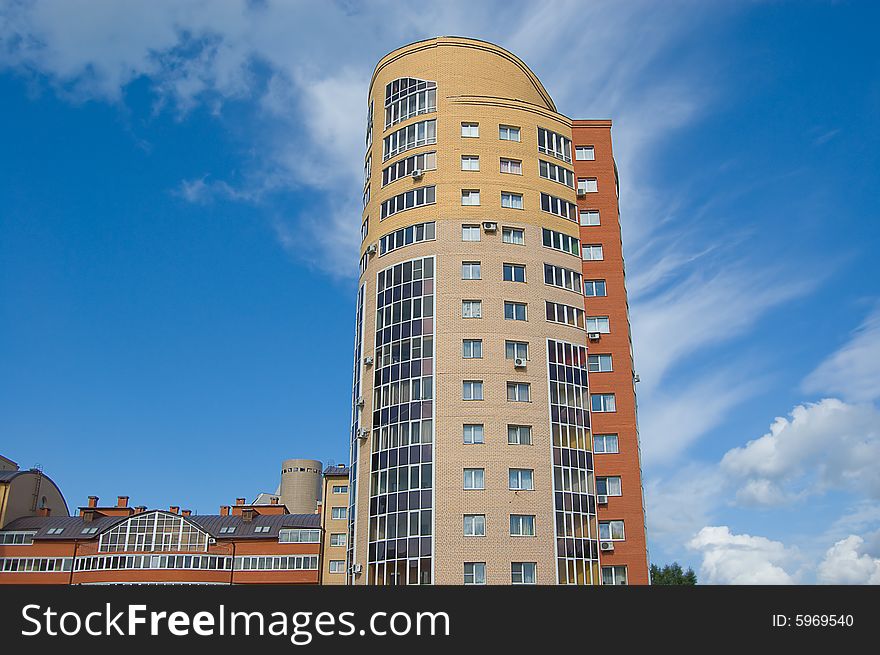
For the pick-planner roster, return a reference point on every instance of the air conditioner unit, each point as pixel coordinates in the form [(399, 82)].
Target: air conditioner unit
[(602, 500), (371, 249), (490, 226), (360, 402), (357, 568), (417, 174), (363, 433), (593, 336), (520, 362), (582, 193), (606, 546), (368, 360), (636, 377)]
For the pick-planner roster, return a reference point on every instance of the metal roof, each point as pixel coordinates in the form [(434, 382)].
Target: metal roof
[(336, 470), (210, 523)]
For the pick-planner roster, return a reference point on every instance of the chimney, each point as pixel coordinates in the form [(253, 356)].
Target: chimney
[(186, 512), (140, 509), (93, 501), (122, 501), (224, 510), (239, 501), (174, 509), (44, 512), (273, 501)]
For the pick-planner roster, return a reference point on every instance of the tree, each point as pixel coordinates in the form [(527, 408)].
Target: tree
[(672, 574)]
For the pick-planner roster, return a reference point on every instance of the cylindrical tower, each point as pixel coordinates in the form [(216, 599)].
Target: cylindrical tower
[(470, 447), (301, 485)]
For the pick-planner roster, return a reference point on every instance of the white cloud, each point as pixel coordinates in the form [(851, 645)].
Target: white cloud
[(845, 563), (853, 371), (822, 446), (742, 559)]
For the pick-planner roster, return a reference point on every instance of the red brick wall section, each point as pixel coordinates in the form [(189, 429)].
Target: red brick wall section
[(629, 507)]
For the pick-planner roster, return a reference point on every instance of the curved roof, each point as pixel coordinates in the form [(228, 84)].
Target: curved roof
[(464, 41), (9, 476)]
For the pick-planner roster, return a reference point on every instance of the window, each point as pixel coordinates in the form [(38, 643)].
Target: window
[(475, 572), (470, 232), (260, 529), (337, 539), (516, 350), (340, 489), (470, 129), (472, 390), (474, 479), (522, 573), (470, 163), (518, 392), (553, 144), (90, 530), (156, 531), (598, 324), (584, 153), (589, 217), (339, 513), (609, 486), (521, 479), (566, 314), (470, 270), (559, 207), (520, 435), (602, 402), (366, 196), (54, 530), (599, 363), (514, 273), (614, 575), (425, 195), (514, 311), (471, 309), (611, 531), (470, 197), (407, 97), (588, 185), (508, 133), (511, 200), (472, 348), (513, 235), (559, 241), (564, 278), (227, 529), (299, 536), (605, 443), (512, 166), (522, 525), (594, 288), (556, 173), (426, 161), (592, 253), (411, 136), (365, 228), (406, 236), (337, 566), (474, 525), (25, 538), (473, 433)]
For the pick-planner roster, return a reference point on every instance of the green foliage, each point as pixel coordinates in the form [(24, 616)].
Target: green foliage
[(672, 574)]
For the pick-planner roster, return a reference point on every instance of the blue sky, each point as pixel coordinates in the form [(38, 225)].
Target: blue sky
[(179, 190)]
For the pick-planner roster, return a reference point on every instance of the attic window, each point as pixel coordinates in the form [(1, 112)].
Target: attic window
[(54, 530), (262, 528), (227, 530), (91, 530)]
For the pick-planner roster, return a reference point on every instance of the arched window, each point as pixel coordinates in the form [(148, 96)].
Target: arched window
[(154, 531)]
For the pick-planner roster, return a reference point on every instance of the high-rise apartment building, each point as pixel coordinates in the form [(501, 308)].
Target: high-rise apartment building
[(480, 334)]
